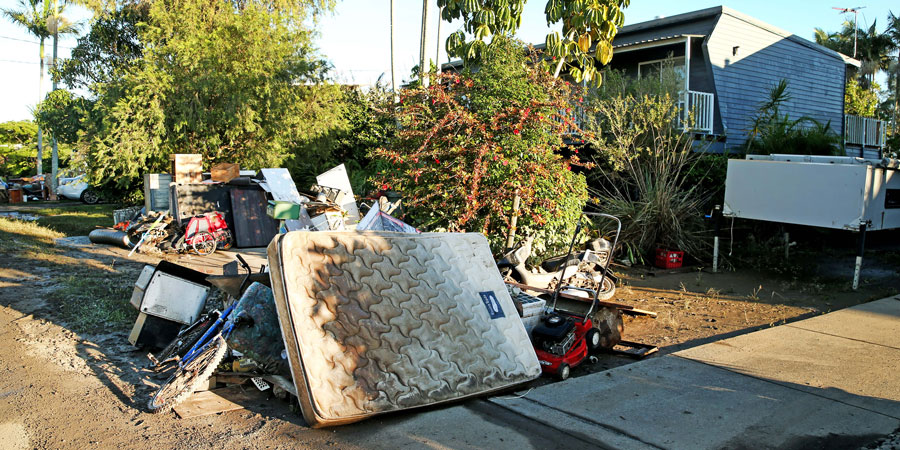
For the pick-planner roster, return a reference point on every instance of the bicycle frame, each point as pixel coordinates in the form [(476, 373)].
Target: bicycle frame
[(221, 326)]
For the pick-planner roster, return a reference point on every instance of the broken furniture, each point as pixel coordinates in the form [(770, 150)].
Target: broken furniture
[(168, 296), (375, 322), (837, 192), (187, 168)]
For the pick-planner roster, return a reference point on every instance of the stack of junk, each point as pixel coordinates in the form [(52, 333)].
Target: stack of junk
[(353, 317), (189, 211)]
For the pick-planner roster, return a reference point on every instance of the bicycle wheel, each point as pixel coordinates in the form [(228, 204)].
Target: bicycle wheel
[(186, 380), (204, 243), (181, 344), (226, 240)]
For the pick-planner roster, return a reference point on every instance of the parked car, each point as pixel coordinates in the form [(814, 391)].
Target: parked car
[(76, 188)]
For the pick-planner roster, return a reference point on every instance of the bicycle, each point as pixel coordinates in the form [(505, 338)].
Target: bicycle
[(203, 356)]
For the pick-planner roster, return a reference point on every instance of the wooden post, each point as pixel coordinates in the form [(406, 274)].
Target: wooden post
[(511, 236)]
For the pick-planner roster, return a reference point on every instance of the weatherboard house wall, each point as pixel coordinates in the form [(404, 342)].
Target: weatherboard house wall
[(740, 59), (748, 58)]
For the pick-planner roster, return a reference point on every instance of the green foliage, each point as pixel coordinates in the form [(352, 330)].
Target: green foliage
[(62, 113), (773, 132), (858, 101), (235, 82), (17, 132), (471, 142), (366, 125), (588, 28), (109, 48), (18, 150), (646, 170)]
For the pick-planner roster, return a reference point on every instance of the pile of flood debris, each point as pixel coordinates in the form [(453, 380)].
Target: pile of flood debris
[(352, 318), (189, 211)]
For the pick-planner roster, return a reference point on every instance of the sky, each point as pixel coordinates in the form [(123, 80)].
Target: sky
[(355, 38)]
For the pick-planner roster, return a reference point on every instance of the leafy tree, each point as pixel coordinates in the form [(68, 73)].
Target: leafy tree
[(110, 47), (859, 101), (773, 132), (34, 16), (588, 28), (234, 81), (17, 149), (62, 114), (471, 142), (367, 124), (872, 48)]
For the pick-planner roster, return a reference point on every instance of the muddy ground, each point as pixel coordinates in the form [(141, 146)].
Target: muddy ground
[(63, 389)]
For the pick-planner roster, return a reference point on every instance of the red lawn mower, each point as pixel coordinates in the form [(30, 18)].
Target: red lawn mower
[(564, 339)]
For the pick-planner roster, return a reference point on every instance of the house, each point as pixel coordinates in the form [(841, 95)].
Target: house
[(730, 62)]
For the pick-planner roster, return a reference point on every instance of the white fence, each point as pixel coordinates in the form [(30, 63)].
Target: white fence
[(696, 111), (864, 131)]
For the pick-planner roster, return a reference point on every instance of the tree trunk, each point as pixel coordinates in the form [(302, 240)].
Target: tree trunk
[(424, 47), (40, 136), (393, 56), (54, 160)]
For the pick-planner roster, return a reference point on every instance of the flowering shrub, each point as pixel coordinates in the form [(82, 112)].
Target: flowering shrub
[(471, 142)]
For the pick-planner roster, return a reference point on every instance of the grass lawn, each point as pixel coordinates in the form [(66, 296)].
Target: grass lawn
[(91, 294), (67, 218)]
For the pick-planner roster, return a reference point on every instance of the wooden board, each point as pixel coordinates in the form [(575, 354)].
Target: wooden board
[(212, 402), (252, 226)]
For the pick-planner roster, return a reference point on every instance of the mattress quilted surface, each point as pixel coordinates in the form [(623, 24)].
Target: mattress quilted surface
[(380, 321)]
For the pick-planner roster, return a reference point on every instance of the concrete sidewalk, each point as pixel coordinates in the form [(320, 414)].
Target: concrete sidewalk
[(827, 382), (831, 381)]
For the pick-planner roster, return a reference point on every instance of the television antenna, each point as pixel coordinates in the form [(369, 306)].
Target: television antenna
[(855, 12)]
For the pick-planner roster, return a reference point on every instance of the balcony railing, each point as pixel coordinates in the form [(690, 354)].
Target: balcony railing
[(696, 113), (864, 131)]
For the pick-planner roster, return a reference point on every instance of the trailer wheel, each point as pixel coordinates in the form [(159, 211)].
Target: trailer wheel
[(564, 372)]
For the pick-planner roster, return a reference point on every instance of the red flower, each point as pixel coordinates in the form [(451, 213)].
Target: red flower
[(437, 161), (516, 131)]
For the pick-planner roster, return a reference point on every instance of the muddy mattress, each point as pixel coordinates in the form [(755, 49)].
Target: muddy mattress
[(376, 322)]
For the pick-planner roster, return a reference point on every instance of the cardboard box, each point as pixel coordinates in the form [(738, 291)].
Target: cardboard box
[(225, 172), (187, 168)]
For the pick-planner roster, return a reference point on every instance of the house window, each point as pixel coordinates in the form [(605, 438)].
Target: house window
[(654, 68)]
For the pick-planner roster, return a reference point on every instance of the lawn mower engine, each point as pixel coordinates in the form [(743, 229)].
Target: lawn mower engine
[(555, 334), (559, 341)]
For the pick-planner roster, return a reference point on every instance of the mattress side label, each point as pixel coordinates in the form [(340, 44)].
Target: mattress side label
[(492, 304)]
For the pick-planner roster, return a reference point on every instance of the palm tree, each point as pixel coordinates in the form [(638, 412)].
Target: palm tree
[(34, 16), (893, 31), (873, 48), (57, 24)]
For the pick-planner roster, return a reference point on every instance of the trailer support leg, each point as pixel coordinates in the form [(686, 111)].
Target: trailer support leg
[(717, 219), (859, 255)]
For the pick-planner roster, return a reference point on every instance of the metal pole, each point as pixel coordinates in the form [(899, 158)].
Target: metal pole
[(424, 48), (859, 255), (787, 245), (393, 52), (717, 225)]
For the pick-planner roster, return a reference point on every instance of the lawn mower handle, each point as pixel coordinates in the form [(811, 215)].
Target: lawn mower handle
[(612, 250)]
